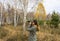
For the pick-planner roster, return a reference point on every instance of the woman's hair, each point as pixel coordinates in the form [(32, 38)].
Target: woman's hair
[(35, 22)]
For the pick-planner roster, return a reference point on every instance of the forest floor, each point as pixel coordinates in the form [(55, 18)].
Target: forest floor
[(11, 33)]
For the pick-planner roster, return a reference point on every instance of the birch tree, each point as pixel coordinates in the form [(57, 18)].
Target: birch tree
[(8, 14), (15, 21), (24, 7), (1, 9), (0, 13), (15, 13)]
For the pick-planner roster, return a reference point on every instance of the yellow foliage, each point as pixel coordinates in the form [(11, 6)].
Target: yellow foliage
[(40, 12), (37, 14)]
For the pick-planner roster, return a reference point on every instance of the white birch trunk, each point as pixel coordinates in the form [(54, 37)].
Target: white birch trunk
[(25, 3), (15, 15), (1, 17), (0, 20), (7, 17), (15, 21), (24, 21)]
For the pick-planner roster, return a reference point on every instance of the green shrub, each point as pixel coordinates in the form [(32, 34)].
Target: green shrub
[(55, 19), (41, 22)]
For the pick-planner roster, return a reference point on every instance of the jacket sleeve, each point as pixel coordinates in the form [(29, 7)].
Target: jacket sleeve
[(30, 28)]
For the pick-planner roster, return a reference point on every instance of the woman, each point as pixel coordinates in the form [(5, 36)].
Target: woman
[(32, 28)]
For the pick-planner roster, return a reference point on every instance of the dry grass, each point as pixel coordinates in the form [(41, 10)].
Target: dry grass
[(11, 33)]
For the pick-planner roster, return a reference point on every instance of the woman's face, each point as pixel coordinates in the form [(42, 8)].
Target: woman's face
[(33, 23)]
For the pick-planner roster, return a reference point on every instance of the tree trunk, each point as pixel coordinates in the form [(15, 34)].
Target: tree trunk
[(24, 21), (15, 21), (8, 19), (1, 17), (25, 3)]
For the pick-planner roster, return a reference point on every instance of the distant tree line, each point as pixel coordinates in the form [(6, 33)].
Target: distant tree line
[(13, 16)]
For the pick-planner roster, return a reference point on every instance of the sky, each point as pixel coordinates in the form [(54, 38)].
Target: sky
[(50, 5)]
